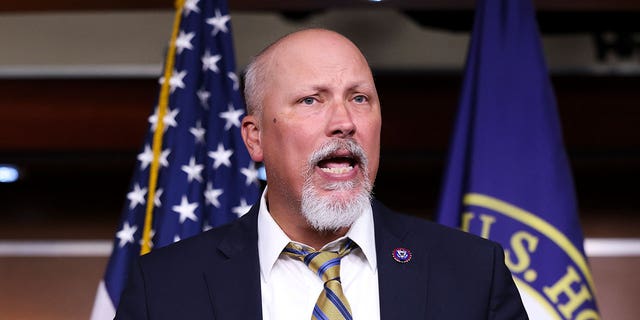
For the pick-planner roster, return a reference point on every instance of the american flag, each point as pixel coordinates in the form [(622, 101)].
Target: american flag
[(193, 172)]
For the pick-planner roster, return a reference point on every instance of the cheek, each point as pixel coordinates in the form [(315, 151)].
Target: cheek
[(288, 141), (299, 145), (371, 142), (373, 153)]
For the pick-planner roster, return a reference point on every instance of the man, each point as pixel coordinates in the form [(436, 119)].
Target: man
[(314, 120)]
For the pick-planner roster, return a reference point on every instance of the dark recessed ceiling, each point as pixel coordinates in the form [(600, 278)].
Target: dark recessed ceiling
[(548, 21), (554, 16), (312, 5)]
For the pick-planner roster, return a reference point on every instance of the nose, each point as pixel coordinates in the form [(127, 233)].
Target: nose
[(341, 123)]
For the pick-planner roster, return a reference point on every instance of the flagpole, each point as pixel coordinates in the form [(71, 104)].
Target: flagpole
[(157, 135)]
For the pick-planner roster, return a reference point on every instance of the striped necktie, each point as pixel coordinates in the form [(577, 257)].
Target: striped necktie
[(332, 303)]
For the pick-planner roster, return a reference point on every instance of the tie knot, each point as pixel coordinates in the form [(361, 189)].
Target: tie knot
[(326, 264)]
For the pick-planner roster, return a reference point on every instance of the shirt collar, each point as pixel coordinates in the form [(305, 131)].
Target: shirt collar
[(362, 233), (272, 240)]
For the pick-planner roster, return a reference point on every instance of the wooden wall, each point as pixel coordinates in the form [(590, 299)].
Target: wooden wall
[(63, 288), (77, 141)]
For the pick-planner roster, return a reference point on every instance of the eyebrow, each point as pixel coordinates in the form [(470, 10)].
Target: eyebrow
[(353, 87)]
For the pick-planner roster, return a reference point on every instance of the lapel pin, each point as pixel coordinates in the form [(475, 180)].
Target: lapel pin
[(401, 255)]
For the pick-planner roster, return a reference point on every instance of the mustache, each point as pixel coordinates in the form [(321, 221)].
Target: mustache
[(332, 146)]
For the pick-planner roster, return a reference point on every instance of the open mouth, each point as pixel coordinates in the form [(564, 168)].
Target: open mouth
[(339, 158), (338, 164)]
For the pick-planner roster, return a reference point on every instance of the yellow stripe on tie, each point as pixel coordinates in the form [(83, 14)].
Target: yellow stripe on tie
[(331, 304)]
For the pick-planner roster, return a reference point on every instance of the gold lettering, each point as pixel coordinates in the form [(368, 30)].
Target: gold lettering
[(486, 220), (522, 244), (575, 299), (588, 314), (466, 221)]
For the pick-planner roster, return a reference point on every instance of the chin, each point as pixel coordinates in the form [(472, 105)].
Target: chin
[(343, 190), (334, 206)]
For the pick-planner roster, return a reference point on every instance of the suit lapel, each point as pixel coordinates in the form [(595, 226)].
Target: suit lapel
[(402, 286), (234, 279)]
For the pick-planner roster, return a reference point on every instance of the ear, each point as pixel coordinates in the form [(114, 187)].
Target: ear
[(251, 137)]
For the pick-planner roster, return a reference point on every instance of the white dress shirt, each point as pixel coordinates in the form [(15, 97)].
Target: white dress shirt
[(290, 289)]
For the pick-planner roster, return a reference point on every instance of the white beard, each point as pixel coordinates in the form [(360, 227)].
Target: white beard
[(334, 211)]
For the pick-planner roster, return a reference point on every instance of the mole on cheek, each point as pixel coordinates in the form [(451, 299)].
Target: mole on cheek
[(275, 120)]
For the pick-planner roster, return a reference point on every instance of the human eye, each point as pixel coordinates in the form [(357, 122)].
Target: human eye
[(360, 98), (308, 101)]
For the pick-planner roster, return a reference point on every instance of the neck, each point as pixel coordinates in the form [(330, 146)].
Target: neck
[(291, 221), (299, 230), (317, 239)]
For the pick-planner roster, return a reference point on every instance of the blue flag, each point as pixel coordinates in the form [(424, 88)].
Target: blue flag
[(193, 172), (508, 177)]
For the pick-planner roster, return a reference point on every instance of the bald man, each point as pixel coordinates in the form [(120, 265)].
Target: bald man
[(314, 120)]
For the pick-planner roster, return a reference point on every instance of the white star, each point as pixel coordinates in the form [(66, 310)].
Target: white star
[(163, 157), (126, 234), (184, 41), (153, 119), (169, 119), (233, 77), (193, 170), (251, 173), (206, 226), (219, 22), (156, 198), (145, 157), (211, 195), (242, 208), (176, 238), (221, 156), (210, 62), (198, 132), (190, 6), (232, 116), (176, 80), (186, 210), (204, 95), (136, 196), (151, 234)]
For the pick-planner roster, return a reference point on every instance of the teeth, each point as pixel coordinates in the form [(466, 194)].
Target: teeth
[(337, 170)]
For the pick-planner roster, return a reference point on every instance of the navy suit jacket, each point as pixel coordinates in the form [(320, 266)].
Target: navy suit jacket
[(216, 275)]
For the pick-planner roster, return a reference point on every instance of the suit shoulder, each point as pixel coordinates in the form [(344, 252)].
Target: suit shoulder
[(183, 250), (434, 235), (203, 246)]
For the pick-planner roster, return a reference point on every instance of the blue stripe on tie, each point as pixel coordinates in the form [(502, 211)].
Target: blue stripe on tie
[(310, 256), (327, 265), (348, 245), (298, 252), (338, 303), (317, 312)]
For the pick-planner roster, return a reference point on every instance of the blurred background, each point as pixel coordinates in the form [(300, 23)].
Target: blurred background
[(78, 81)]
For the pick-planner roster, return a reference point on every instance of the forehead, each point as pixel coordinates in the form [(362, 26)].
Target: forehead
[(317, 55)]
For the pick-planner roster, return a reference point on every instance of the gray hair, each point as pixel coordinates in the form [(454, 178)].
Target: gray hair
[(253, 85), (255, 77)]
